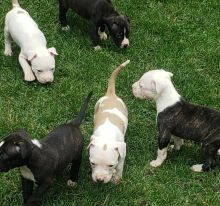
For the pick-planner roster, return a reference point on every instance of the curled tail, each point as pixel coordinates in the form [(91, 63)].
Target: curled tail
[(111, 82), (15, 3), (77, 121)]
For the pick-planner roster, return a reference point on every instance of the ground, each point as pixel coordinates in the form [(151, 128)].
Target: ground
[(179, 36)]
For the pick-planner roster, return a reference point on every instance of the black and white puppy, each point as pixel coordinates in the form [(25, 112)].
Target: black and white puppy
[(101, 13), (40, 161), (179, 118)]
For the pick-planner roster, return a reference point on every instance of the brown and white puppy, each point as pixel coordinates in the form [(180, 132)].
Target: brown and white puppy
[(107, 147)]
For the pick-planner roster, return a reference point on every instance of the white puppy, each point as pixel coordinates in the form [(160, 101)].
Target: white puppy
[(107, 147), (34, 55)]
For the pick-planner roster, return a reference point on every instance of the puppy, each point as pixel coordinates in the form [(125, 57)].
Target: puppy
[(40, 161), (180, 118), (35, 59), (107, 147), (101, 13)]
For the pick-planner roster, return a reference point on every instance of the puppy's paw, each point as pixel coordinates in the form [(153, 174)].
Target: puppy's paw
[(155, 163), (97, 48), (116, 179), (8, 52), (66, 28), (218, 153), (29, 77), (197, 168), (103, 36), (70, 183)]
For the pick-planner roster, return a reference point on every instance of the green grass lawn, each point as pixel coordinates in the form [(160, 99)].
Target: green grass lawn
[(180, 36)]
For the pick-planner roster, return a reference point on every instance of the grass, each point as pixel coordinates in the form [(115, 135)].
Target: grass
[(180, 36)]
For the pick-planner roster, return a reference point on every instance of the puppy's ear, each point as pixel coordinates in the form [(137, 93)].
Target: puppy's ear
[(31, 55), (109, 21), (25, 149), (157, 86), (52, 51), (121, 148), (92, 143), (127, 19)]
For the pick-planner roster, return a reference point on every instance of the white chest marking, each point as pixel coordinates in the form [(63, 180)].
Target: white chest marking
[(26, 173), (37, 143)]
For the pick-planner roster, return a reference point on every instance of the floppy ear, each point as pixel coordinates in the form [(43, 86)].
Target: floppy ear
[(92, 142), (52, 51), (109, 21), (121, 148), (168, 74), (24, 149), (157, 86), (31, 55), (126, 18)]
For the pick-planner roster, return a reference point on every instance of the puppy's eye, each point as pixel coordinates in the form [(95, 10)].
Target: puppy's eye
[(92, 163), (52, 69), (110, 165), (40, 71), (140, 85)]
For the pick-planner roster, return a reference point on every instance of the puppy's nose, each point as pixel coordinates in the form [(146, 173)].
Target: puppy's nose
[(101, 180), (125, 45)]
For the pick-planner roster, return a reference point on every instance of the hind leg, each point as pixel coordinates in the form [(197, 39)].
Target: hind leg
[(210, 153), (8, 51), (74, 172)]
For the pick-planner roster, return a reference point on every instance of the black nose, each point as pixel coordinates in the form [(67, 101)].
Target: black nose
[(126, 45), (100, 180)]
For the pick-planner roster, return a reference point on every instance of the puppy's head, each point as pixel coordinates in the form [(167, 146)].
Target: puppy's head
[(43, 64), (119, 28), (104, 158), (151, 84), (14, 150)]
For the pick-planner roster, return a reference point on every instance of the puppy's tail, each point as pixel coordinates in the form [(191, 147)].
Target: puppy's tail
[(77, 121), (15, 3), (111, 82)]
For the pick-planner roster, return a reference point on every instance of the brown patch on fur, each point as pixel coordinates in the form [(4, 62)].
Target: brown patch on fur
[(110, 103)]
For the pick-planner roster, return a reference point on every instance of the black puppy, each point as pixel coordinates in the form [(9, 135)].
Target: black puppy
[(40, 161), (100, 13)]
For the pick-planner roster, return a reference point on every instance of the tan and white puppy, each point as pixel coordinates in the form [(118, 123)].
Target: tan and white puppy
[(107, 146), (157, 85), (35, 58)]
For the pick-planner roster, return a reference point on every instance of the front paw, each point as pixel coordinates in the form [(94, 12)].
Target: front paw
[(116, 179), (155, 163), (70, 183), (8, 52), (103, 36), (97, 48), (66, 28), (29, 77), (197, 168)]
